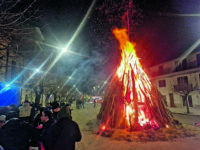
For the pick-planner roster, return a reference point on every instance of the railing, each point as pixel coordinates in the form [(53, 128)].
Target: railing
[(190, 65), (183, 87)]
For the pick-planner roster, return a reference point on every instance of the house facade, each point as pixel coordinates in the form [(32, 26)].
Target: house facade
[(178, 80)]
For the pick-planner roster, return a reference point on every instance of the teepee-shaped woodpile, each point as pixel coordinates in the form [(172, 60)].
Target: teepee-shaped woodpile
[(131, 100)]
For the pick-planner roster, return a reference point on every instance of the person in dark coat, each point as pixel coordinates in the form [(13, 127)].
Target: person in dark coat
[(37, 120), (9, 110), (49, 108), (47, 122), (55, 107), (12, 112), (63, 134), (2, 120), (17, 134)]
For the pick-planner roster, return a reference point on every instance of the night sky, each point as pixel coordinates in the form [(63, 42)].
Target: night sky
[(167, 36), (94, 53)]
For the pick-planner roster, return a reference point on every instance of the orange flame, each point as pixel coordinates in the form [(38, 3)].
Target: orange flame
[(134, 79)]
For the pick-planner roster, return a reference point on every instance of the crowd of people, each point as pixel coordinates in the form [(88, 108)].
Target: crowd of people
[(30, 127)]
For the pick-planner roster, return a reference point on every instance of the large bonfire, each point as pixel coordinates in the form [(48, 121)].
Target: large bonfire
[(131, 101)]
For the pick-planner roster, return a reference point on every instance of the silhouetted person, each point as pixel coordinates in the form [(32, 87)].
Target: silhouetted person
[(46, 123), (38, 92), (63, 134), (49, 108), (2, 120), (26, 112), (37, 119), (55, 108), (95, 102), (18, 135), (12, 111)]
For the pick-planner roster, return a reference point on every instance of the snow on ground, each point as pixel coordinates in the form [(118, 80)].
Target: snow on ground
[(86, 119)]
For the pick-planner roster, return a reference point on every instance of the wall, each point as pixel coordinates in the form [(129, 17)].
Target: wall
[(193, 74)]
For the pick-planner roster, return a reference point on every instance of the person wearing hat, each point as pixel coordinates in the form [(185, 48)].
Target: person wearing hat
[(63, 134), (2, 120)]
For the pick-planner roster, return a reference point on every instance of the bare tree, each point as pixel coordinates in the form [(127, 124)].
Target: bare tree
[(17, 31), (15, 20), (185, 90)]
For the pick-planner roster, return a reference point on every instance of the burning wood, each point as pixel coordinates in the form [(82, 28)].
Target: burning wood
[(132, 101)]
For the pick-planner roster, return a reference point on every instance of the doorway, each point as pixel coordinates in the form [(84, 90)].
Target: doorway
[(171, 97)]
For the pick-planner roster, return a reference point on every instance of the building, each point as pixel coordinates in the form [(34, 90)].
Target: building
[(178, 80)]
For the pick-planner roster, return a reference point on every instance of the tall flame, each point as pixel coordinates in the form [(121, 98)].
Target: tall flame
[(135, 82)]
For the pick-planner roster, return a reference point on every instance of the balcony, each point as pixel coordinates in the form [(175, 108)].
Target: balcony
[(183, 88)]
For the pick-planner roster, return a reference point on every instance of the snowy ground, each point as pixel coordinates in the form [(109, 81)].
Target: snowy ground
[(86, 118)]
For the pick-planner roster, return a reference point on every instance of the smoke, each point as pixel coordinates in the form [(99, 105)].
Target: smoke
[(81, 71)]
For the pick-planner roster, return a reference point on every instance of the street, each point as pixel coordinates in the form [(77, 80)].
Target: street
[(86, 118), (187, 119)]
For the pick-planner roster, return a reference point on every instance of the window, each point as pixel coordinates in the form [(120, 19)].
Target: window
[(178, 66), (171, 97), (190, 100), (184, 64), (182, 81), (184, 100), (162, 83)]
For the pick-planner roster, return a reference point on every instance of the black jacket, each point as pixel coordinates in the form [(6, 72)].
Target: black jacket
[(63, 135), (16, 135), (46, 126)]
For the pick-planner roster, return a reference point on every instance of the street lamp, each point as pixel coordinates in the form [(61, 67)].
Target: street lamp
[(64, 50), (37, 70), (7, 85)]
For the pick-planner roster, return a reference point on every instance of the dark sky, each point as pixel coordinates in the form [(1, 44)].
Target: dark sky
[(167, 36), (160, 38)]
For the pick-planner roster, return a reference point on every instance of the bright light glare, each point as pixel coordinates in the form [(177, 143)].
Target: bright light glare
[(83, 22), (7, 85), (64, 50), (37, 70)]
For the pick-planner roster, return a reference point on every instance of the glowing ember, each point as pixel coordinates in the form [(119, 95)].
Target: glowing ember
[(103, 127), (135, 83), (167, 126)]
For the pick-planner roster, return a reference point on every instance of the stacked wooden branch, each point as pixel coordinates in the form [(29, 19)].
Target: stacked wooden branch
[(111, 108), (112, 112)]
